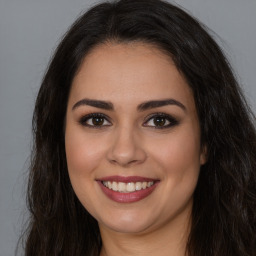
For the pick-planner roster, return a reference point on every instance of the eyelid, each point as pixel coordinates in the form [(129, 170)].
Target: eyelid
[(173, 121), (87, 117)]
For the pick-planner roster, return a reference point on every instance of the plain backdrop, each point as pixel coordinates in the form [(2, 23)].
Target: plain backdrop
[(29, 32)]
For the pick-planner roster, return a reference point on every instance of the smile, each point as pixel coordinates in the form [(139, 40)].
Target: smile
[(127, 189)]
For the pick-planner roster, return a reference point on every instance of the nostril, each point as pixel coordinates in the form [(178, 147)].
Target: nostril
[(126, 150), (123, 163)]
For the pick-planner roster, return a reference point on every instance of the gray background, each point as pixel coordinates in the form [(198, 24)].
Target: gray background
[(30, 30)]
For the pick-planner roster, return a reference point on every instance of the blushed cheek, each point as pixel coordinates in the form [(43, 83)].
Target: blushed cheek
[(83, 156), (180, 156)]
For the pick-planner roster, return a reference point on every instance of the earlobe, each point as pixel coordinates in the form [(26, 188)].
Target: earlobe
[(203, 155)]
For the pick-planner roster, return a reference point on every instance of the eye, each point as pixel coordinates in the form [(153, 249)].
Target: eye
[(95, 120), (160, 121)]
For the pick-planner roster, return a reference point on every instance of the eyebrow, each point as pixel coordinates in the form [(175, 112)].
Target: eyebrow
[(142, 107), (94, 103), (160, 103)]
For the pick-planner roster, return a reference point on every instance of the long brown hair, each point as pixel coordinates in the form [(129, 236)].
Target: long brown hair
[(224, 210)]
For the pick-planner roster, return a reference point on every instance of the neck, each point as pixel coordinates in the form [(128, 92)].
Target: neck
[(169, 239)]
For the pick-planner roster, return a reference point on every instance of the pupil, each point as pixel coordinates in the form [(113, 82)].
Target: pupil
[(159, 121), (98, 121)]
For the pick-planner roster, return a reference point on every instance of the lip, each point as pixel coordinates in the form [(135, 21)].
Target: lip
[(127, 197), (126, 179)]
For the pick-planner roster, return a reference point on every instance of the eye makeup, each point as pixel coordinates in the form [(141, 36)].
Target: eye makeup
[(160, 121), (157, 120), (95, 120)]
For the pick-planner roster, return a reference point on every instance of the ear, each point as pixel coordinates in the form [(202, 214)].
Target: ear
[(203, 155)]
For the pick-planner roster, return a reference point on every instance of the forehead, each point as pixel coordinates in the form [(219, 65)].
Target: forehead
[(129, 72)]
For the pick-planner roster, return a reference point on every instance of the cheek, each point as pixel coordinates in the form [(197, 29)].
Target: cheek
[(179, 149), (83, 153), (179, 158)]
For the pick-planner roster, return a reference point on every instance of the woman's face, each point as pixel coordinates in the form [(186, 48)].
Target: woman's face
[(132, 139)]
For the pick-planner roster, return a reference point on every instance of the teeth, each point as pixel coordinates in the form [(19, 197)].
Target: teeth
[(130, 187), (109, 184), (127, 187), (114, 186), (138, 185), (150, 184), (121, 186)]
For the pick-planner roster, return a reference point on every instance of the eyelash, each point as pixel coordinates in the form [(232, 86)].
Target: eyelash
[(83, 121), (172, 121), (166, 118)]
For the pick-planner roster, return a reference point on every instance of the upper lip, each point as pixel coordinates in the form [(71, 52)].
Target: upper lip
[(126, 179)]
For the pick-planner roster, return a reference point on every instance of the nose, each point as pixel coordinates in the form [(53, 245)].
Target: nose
[(126, 149)]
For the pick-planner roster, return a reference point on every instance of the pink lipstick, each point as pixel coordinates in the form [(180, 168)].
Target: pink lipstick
[(127, 189)]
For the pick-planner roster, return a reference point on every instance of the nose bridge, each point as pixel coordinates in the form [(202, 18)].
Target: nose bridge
[(126, 148)]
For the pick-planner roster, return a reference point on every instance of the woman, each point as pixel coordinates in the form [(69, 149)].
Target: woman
[(144, 144)]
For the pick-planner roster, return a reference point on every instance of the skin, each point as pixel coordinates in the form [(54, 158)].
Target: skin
[(129, 143)]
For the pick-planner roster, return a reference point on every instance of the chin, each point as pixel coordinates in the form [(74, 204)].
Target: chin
[(127, 222)]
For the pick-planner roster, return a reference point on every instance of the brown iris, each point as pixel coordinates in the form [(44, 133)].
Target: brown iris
[(97, 121), (159, 121)]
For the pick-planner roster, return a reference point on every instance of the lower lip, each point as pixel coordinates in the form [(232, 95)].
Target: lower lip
[(127, 197)]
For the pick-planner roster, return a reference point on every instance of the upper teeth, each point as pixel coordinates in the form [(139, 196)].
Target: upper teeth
[(127, 187)]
